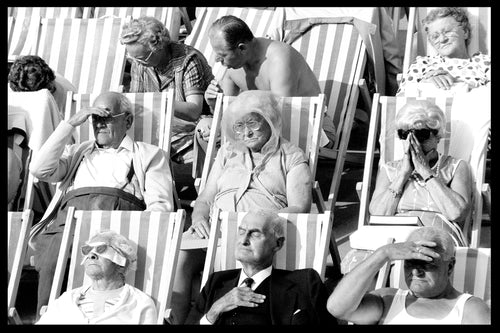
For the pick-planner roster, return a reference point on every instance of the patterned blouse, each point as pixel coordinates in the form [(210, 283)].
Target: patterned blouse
[(474, 71), (188, 73)]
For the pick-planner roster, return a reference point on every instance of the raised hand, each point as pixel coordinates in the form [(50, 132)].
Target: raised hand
[(81, 116), (419, 250), (419, 159), (211, 93)]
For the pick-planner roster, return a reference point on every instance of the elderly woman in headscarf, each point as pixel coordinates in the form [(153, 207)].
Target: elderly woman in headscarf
[(107, 258), (256, 168)]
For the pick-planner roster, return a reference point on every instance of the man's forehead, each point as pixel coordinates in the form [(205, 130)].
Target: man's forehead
[(108, 101), (254, 221)]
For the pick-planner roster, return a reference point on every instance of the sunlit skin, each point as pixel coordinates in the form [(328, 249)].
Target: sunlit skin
[(231, 58), (110, 134), (254, 139), (451, 46), (141, 52), (104, 273)]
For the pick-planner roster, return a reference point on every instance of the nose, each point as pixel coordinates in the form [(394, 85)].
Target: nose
[(416, 272), (93, 256), (248, 132)]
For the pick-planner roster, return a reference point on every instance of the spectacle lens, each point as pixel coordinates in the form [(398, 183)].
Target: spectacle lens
[(86, 249), (253, 125), (421, 134)]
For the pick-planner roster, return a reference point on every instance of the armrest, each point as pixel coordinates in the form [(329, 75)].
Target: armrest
[(14, 318), (359, 188), (318, 197)]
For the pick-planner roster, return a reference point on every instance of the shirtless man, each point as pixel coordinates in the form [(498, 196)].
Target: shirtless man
[(255, 63)]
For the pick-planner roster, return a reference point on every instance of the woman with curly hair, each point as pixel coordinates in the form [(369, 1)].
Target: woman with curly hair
[(31, 73), (157, 64)]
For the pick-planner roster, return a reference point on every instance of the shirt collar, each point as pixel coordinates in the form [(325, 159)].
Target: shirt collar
[(257, 278), (127, 143)]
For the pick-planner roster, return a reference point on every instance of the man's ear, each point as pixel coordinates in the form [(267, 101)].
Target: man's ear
[(451, 266), (279, 243), (242, 47), (129, 118)]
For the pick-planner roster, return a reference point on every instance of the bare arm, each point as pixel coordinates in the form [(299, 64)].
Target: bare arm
[(191, 109), (201, 211), (298, 190), (476, 311), (349, 300), (387, 194)]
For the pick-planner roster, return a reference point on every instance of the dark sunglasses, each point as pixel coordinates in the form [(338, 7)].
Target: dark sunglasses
[(109, 119), (421, 134), (86, 249)]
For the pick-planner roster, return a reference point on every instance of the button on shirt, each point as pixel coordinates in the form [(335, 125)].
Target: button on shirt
[(257, 280), (107, 167)]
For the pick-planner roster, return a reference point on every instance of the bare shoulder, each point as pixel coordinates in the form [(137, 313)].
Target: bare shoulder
[(278, 50), (476, 311)]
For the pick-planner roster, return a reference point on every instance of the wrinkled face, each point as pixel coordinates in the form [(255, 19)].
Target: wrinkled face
[(109, 131), (253, 130), (143, 55), (256, 243), (231, 58), (427, 279), (447, 37), (97, 267)]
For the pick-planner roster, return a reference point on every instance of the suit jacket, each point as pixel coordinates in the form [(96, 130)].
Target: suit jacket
[(296, 297)]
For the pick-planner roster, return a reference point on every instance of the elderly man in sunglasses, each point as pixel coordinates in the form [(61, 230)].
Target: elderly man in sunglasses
[(112, 172), (107, 257), (425, 183)]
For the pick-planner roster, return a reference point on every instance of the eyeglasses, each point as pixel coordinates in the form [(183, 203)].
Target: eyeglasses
[(109, 119), (421, 134), (99, 249), (453, 33), (141, 61), (252, 125)]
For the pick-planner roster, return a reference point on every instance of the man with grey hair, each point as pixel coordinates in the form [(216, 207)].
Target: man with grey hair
[(107, 257), (259, 294), (112, 172), (429, 261)]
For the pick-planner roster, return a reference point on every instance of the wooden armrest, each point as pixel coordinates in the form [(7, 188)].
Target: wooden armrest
[(318, 197), (14, 318), (359, 188)]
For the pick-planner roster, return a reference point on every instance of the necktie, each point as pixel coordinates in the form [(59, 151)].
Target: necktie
[(248, 282)]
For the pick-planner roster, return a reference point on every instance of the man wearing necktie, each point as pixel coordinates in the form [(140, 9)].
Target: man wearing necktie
[(258, 294)]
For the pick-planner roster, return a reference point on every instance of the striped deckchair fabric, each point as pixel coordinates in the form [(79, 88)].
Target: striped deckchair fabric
[(418, 45), (87, 52), (23, 36), (462, 139), (301, 124), (336, 54), (156, 235), (259, 21), (169, 16), (48, 12), (307, 239), (472, 273), (153, 112), (18, 228)]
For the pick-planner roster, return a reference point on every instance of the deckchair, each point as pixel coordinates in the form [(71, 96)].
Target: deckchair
[(153, 114), (23, 36), (157, 236), (301, 124), (337, 55), (306, 242), (465, 137), (258, 20), (87, 52), (472, 272), (417, 44), (18, 228), (48, 12), (169, 16)]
